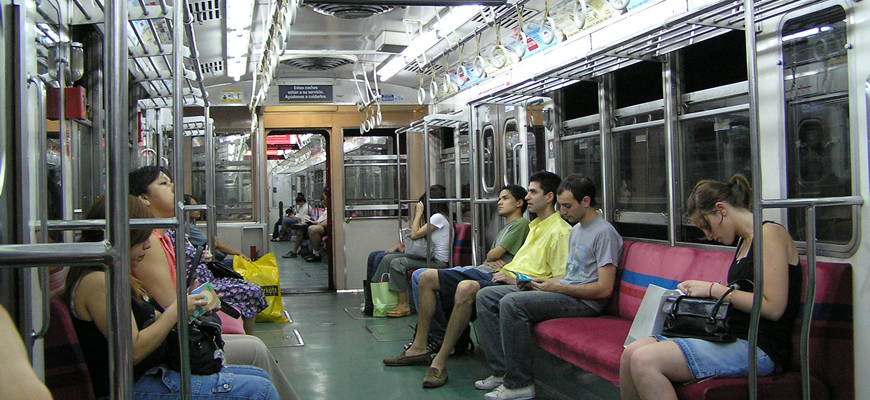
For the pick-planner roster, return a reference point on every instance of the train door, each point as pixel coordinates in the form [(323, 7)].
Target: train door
[(508, 152)]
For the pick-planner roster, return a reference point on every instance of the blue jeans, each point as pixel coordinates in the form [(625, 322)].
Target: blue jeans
[(235, 382), (504, 318)]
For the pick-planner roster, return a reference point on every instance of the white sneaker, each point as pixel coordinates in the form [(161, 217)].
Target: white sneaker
[(489, 383), (503, 393)]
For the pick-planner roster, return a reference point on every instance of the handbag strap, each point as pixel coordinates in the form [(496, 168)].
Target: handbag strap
[(718, 304), (196, 259)]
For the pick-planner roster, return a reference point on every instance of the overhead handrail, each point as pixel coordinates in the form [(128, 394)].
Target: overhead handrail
[(580, 22), (522, 39)]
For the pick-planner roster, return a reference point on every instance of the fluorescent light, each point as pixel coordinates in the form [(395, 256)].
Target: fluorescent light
[(239, 15), (455, 18), (236, 67), (801, 34)]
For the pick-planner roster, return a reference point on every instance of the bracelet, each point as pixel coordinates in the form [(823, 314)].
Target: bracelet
[(710, 292), (729, 296)]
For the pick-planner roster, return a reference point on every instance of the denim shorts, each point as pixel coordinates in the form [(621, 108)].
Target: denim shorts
[(709, 360)]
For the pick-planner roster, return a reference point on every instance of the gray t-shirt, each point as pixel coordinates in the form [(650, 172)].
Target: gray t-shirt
[(591, 246)]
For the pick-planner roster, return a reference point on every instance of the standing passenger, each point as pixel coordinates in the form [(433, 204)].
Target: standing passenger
[(649, 367)]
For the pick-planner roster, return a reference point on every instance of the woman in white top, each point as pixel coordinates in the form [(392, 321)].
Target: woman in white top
[(398, 264)]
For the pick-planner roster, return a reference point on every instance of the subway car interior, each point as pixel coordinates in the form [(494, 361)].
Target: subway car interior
[(383, 110)]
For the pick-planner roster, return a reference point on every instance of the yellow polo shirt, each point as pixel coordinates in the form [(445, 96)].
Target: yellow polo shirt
[(545, 251)]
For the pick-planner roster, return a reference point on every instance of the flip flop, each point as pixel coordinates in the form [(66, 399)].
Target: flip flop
[(398, 313)]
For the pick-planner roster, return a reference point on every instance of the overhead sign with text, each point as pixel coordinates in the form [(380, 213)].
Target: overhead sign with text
[(305, 93)]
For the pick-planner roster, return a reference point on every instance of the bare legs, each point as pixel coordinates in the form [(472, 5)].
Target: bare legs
[(426, 289), (459, 318), (648, 367), (248, 325)]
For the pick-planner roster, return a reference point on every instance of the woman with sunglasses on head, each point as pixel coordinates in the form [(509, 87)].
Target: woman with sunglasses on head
[(86, 297), (649, 367)]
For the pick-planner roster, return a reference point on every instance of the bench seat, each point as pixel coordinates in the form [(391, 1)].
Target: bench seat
[(595, 344)]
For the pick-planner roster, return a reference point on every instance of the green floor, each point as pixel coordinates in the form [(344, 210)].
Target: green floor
[(341, 351), (341, 358)]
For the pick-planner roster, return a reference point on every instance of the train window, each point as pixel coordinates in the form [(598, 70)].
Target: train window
[(581, 149), (715, 140), (817, 121), (512, 150), (371, 176), (233, 176), (487, 158), (640, 176)]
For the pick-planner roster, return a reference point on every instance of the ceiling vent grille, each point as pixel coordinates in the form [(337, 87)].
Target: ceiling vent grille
[(351, 11), (214, 68), (206, 10), (314, 63)]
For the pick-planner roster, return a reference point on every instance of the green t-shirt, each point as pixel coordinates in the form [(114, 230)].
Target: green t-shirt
[(511, 237)]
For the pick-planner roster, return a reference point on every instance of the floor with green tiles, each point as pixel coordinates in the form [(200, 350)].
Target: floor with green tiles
[(330, 351)]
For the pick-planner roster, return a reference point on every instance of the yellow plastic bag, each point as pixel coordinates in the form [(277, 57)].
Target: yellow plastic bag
[(264, 272)]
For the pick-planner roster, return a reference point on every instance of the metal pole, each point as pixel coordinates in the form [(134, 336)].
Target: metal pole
[(117, 214), (475, 185), (178, 160), (211, 222), (427, 183), (754, 140), (398, 182), (671, 93), (809, 303)]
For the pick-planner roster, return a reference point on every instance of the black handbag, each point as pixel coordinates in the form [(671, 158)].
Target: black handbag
[(697, 318), (220, 270), (204, 336)]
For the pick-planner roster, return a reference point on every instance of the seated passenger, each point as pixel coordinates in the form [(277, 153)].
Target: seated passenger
[(579, 288), (318, 230), (397, 264), (462, 284), (276, 232), (298, 221), (198, 239), (649, 367), (86, 297), (17, 379), (154, 187)]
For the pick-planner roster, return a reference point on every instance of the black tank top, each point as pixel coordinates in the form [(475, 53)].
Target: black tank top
[(774, 337), (96, 349)]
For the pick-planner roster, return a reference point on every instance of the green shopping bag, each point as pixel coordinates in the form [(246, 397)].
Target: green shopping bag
[(383, 299)]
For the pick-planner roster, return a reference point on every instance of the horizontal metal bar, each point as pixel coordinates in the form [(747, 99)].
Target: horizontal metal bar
[(717, 111), (591, 134), (640, 125), (817, 202), (348, 219), (136, 223), (55, 254)]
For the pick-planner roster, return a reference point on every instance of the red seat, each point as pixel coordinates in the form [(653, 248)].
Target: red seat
[(66, 373)]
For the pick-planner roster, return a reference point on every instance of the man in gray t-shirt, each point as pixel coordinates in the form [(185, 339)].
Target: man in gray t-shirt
[(507, 314)]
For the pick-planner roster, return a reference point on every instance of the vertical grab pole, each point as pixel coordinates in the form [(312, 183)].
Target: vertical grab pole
[(809, 303), (177, 161), (758, 259), (398, 182), (473, 158), (117, 214), (210, 217), (426, 181)]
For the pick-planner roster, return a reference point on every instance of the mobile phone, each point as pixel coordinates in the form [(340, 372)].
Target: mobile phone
[(522, 278)]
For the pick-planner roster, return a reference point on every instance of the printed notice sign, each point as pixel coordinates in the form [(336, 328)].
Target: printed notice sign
[(232, 96), (305, 93)]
